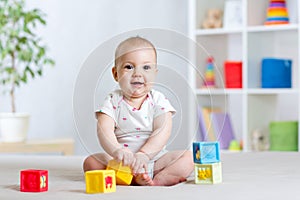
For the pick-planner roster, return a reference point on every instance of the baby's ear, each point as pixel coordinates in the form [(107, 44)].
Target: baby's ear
[(115, 73)]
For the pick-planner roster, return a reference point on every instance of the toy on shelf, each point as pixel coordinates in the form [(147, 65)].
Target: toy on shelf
[(276, 73), (234, 146), (277, 13), (259, 140), (213, 19), (209, 81), (208, 168), (233, 71), (123, 173), (283, 135), (33, 180), (100, 181)]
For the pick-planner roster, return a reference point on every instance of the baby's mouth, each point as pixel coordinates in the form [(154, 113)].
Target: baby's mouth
[(136, 83)]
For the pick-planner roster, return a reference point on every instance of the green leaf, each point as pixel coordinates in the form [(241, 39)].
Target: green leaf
[(27, 69), (21, 54), (40, 72)]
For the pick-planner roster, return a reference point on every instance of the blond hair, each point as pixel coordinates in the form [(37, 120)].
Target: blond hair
[(133, 44)]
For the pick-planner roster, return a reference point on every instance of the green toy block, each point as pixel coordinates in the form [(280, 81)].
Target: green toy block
[(210, 173)]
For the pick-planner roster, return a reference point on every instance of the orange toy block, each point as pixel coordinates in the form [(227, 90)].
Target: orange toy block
[(123, 173), (100, 181)]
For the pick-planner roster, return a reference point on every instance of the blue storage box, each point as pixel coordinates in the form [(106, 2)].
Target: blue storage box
[(276, 73)]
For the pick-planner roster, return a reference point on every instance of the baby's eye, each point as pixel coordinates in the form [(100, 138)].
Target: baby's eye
[(128, 67), (146, 67)]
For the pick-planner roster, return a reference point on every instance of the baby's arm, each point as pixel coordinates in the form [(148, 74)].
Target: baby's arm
[(162, 127), (109, 142)]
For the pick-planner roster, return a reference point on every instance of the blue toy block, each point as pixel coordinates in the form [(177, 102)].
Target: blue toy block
[(206, 152)]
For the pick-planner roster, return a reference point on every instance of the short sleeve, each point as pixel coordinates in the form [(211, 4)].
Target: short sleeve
[(108, 107), (161, 104)]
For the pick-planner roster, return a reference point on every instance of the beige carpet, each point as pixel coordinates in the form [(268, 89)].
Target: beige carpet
[(268, 175)]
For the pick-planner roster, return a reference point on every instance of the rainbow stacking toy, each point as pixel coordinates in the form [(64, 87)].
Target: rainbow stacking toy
[(277, 13), (209, 81)]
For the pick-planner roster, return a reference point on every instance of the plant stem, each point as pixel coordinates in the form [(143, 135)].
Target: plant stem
[(12, 90), (12, 96)]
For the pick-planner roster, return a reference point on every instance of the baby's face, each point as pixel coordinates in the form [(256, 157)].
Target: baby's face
[(136, 71)]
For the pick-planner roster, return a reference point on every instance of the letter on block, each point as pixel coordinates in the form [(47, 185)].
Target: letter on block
[(208, 173), (123, 173), (100, 181), (206, 152), (33, 180)]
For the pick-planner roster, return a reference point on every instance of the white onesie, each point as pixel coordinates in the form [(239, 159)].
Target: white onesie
[(134, 126)]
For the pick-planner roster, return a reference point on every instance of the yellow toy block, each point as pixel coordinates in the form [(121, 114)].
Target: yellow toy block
[(123, 173), (208, 173), (100, 181)]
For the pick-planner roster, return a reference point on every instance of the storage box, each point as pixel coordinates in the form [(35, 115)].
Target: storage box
[(276, 73), (284, 136), (233, 74)]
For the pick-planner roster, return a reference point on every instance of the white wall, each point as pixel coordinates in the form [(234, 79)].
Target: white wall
[(74, 30)]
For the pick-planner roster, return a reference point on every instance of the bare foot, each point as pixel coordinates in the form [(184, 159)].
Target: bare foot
[(143, 180), (167, 180)]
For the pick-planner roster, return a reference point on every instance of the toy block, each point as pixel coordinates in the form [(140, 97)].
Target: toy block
[(100, 181), (208, 173), (33, 180), (206, 152), (123, 173)]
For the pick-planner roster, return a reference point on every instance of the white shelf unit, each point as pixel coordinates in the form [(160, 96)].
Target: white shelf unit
[(250, 107)]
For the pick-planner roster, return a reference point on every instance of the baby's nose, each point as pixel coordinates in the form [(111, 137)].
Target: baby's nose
[(137, 72)]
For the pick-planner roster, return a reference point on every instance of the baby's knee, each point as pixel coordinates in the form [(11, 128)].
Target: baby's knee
[(91, 163), (88, 163), (95, 162), (188, 155)]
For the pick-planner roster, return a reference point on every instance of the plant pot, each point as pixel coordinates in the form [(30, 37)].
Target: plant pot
[(14, 127)]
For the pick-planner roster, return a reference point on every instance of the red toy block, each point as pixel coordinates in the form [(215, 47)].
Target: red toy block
[(33, 180)]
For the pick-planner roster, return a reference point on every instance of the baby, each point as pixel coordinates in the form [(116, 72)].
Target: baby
[(135, 121)]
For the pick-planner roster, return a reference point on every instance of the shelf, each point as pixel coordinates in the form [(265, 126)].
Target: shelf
[(64, 146), (218, 91), (250, 107), (217, 31), (273, 28), (256, 91), (264, 91)]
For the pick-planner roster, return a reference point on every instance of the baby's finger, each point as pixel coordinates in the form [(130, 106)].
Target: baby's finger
[(127, 160), (145, 166), (135, 166), (119, 157)]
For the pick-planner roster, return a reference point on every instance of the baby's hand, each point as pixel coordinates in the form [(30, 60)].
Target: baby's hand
[(140, 162), (124, 155)]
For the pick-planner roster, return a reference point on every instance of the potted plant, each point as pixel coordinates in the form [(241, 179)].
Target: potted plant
[(22, 57)]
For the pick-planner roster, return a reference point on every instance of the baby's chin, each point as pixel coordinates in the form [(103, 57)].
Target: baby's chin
[(139, 93)]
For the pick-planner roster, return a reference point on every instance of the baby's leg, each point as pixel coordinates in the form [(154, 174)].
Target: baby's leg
[(96, 162), (172, 168)]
